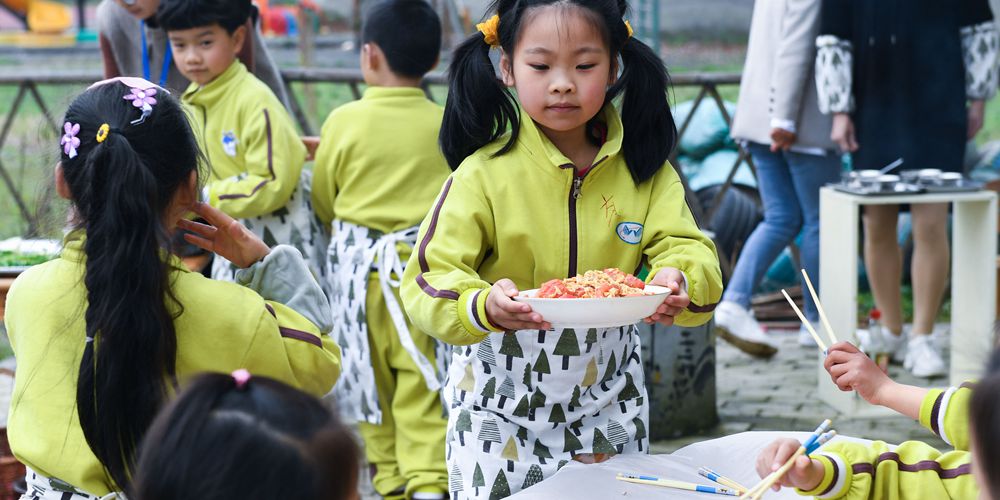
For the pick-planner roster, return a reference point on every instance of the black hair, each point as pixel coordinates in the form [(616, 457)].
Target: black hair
[(121, 189), (264, 440), (984, 419), (186, 14), (480, 109), (408, 32)]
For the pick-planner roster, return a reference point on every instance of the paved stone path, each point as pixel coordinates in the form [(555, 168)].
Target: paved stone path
[(780, 394)]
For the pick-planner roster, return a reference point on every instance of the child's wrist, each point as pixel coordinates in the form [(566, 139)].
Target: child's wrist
[(878, 397), (814, 475)]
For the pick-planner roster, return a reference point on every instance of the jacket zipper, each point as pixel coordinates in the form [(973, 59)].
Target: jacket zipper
[(204, 132), (575, 193)]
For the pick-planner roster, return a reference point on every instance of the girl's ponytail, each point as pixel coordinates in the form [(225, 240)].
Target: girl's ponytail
[(649, 128), (479, 108), (123, 182), (127, 318)]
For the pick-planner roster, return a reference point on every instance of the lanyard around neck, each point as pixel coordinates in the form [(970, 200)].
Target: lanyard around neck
[(167, 58)]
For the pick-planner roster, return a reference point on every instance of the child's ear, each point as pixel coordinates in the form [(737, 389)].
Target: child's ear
[(62, 187), (506, 71), (239, 38), (375, 56)]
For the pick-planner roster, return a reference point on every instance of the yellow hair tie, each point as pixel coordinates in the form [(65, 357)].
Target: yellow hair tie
[(102, 132), (489, 30), (629, 28)]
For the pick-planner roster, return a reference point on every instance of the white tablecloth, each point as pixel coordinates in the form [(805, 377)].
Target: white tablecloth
[(732, 456)]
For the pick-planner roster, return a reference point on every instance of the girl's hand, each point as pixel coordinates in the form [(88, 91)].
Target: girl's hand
[(842, 133), (851, 369), (805, 474), (675, 302), (977, 113), (224, 236), (504, 312)]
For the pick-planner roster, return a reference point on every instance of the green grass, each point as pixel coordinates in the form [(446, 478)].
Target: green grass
[(866, 302)]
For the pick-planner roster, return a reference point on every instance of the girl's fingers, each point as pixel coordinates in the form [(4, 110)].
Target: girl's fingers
[(199, 242), (512, 306), (213, 215), (197, 227)]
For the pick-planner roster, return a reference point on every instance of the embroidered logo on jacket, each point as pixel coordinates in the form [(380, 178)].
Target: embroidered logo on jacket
[(630, 232), (229, 143)]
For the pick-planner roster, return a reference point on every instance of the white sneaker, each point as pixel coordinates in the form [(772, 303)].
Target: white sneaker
[(806, 339), (922, 359), (736, 325), (884, 342)]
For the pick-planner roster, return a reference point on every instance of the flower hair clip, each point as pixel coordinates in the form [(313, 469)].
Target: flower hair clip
[(142, 99), (241, 376), (69, 139)]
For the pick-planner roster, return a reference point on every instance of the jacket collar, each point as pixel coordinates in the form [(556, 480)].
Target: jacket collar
[(384, 92), (215, 89), (541, 149)]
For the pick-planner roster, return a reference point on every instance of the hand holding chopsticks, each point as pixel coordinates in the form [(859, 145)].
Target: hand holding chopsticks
[(789, 453)]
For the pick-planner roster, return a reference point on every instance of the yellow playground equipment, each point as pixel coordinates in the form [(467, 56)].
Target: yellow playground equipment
[(41, 16)]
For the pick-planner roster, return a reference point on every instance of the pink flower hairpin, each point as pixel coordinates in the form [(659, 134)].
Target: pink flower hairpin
[(69, 139), (143, 99)]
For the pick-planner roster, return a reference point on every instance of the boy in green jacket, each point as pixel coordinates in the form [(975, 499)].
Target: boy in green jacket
[(250, 141), (378, 170)]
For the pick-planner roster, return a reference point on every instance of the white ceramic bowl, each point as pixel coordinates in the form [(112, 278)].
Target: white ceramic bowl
[(595, 313)]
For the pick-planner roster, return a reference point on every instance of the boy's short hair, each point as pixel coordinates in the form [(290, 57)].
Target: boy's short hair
[(407, 31), (187, 14)]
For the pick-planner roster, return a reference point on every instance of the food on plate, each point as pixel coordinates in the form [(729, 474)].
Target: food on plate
[(610, 282)]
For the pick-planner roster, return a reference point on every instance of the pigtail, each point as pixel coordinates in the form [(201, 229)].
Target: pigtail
[(650, 133), (479, 108), (123, 177), (130, 333)]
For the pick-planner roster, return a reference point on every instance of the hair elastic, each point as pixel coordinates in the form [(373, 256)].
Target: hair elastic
[(241, 376), (102, 132), (489, 30)]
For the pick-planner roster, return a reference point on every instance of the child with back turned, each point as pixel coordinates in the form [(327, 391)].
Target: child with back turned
[(246, 437), (254, 151), (377, 171), (550, 184), (105, 334)]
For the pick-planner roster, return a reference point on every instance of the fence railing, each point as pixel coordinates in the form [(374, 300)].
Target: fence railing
[(28, 83)]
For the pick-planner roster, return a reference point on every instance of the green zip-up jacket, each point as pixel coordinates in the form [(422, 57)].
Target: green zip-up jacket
[(527, 216), (378, 163), (251, 142), (914, 470), (219, 327)]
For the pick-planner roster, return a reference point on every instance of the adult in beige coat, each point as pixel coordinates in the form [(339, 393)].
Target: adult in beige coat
[(779, 122)]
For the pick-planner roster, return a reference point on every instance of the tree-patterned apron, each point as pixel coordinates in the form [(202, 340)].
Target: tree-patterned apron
[(293, 224), (354, 252), (525, 403)]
